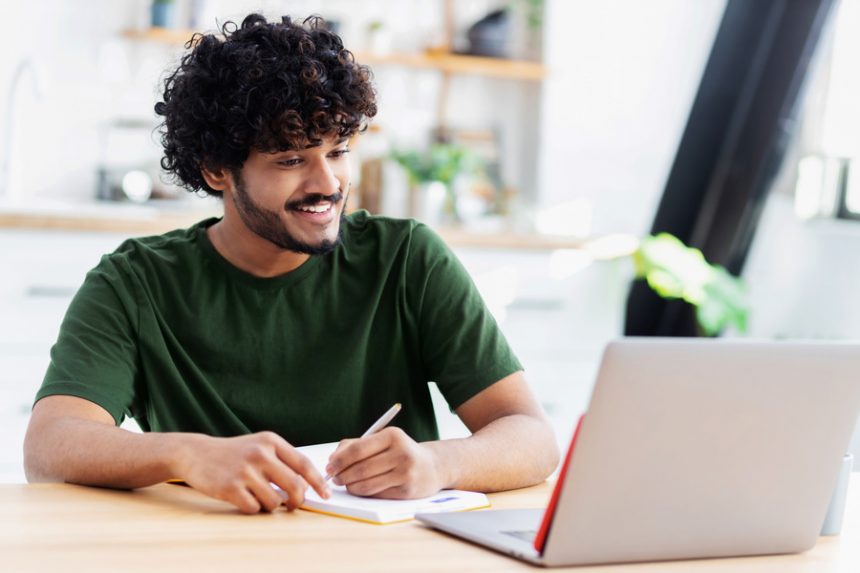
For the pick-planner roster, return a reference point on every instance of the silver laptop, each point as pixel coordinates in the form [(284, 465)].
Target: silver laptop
[(690, 448)]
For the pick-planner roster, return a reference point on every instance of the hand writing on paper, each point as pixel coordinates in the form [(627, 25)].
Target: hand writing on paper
[(388, 464), (241, 470)]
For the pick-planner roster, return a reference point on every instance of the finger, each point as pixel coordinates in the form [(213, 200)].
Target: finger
[(261, 489), (301, 465), (244, 500), (396, 492), (292, 484), (372, 486), (342, 444), (295, 496), (358, 450), (367, 468)]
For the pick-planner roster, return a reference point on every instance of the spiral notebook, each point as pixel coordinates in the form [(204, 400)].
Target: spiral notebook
[(381, 511)]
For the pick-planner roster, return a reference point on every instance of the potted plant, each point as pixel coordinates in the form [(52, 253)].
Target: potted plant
[(378, 38), (431, 174)]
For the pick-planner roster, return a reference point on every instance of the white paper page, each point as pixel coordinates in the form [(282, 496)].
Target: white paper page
[(342, 502)]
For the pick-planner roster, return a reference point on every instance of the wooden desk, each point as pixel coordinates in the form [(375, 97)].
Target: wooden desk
[(170, 528)]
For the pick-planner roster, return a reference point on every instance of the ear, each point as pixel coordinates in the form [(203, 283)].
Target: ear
[(219, 179)]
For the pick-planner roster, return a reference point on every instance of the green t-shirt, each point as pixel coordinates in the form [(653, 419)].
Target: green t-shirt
[(167, 331)]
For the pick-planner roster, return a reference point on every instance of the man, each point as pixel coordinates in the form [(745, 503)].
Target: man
[(285, 322)]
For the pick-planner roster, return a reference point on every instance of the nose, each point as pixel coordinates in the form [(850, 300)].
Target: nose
[(324, 179)]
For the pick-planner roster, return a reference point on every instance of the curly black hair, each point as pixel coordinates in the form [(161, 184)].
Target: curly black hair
[(263, 85)]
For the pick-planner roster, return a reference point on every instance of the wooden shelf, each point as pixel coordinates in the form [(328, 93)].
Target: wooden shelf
[(161, 35), (152, 223), (459, 64), (430, 60), (145, 223)]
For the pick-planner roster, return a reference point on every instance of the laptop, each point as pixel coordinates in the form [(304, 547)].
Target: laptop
[(690, 448)]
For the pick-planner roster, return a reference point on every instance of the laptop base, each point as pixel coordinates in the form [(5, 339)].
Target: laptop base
[(504, 530)]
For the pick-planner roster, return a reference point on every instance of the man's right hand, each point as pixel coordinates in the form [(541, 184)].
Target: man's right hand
[(240, 470)]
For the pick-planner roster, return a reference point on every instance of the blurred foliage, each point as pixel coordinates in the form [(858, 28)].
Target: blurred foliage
[(441, 162), (676, 271), (533, 10)]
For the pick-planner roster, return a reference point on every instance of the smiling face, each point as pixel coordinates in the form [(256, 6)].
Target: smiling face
[(295, 199)]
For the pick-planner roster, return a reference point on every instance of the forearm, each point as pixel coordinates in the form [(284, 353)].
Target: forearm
[(85, 452), (510, 452)]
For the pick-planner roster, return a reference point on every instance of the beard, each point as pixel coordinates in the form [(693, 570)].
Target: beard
[(267, 225)]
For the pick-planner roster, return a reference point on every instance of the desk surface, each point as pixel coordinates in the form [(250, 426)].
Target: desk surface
[(50, 527)]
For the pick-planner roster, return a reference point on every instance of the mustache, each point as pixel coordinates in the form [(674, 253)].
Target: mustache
[(313, 199)]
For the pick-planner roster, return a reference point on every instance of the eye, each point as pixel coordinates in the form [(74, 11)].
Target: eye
[(339, 152), (290, 162)]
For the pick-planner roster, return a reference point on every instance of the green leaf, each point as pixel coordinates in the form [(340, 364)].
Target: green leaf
[(676, 271), (441, 162)]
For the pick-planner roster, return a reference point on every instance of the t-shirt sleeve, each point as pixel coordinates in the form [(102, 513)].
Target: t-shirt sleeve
[(95, 356), (462, 348)]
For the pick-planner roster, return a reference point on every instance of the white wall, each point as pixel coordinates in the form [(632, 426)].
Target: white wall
[(623, 75), (811, 265), (56, 140)]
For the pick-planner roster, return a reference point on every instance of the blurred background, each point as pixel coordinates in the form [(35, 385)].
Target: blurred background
[(548, 142)]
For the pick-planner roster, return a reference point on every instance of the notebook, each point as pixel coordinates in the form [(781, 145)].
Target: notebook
[(381, 511)]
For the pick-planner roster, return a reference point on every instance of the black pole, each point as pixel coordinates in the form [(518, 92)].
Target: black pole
[(733, 145)]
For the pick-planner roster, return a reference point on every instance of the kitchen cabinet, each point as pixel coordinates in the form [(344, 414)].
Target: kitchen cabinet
[(41, 272)]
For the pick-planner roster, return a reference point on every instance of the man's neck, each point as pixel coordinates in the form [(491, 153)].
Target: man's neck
[(249, 252)]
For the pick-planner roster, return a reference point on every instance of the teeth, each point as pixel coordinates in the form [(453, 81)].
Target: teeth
[(319, 208)]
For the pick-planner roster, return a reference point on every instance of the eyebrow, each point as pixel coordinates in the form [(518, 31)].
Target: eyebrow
[(338, 142), (312, 146)]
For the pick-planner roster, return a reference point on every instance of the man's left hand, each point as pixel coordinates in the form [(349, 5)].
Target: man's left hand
[(388, 464)]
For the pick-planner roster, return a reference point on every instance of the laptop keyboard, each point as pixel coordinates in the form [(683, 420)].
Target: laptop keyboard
[(527, 535)]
